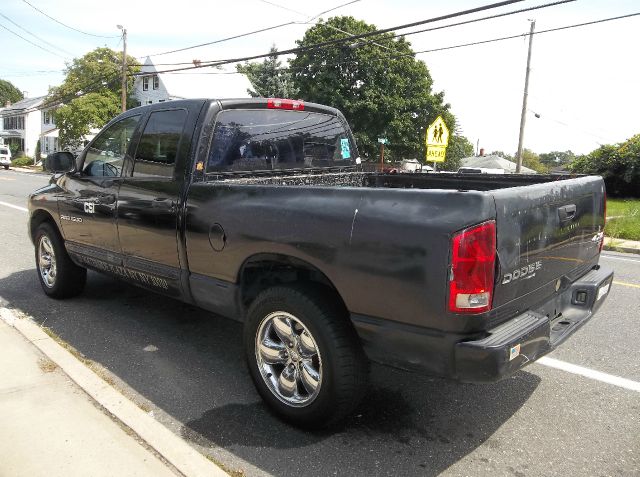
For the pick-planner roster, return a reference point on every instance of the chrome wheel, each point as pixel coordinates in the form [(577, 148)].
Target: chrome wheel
[(288, 359), (47, 261)]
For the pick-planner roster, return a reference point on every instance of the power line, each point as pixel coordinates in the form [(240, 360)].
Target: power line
[(326, 24), (65, 25), (514, 12), (355, 37), (400, 55), (34, 44), (521, 35), (34, 35), (220, 40), (241, 35)]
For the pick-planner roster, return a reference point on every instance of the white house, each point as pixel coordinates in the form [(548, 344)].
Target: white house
[(151, 87), (48, 133), (21, 125)]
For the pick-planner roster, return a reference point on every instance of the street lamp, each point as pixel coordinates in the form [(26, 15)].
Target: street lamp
[(124, 67)]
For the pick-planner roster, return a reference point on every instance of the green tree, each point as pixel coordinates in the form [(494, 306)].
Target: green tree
[(531, 160), (376, 82), (459, 148), (90, 94), (269, 79), (557, 158), (618, 164), (9, 93)]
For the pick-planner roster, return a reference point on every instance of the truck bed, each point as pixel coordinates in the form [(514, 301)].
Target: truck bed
[(480, 182)]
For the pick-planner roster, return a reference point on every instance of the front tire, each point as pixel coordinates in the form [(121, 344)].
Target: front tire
[(304, 357), (58, 275), (6, 168)]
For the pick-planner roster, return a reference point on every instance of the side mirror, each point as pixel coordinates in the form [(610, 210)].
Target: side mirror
[(60, 162)]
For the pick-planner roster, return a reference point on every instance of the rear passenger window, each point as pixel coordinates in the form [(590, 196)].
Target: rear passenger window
[(159, 144), (263, 139)]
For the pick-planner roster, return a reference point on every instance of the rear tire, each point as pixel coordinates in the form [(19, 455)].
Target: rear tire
[(6, 168), (58, 275), (304, 356)]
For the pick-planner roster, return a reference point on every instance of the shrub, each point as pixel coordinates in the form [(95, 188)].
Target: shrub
[(619, 166), (22, 161)]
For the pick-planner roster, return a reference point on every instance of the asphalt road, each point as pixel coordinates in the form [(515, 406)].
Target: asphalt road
[(185, 366)]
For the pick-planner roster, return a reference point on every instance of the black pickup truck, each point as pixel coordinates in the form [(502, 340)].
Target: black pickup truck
[(259, 210)]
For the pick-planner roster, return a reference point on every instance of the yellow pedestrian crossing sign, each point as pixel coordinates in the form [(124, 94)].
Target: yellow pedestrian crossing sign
[(437, 140), (438, 133)]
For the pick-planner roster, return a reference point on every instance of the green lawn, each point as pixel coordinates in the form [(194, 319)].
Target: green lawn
[(626, 224)]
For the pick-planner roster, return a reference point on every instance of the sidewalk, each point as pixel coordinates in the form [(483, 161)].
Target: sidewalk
[(49, 425), (619, 245)]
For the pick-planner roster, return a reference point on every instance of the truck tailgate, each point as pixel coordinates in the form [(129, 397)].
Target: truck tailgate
[(546, 232)]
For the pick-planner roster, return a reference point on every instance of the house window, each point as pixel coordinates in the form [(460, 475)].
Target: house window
[(145, 83), (156, 82), (13, 122), (161, 101), (47, 116), (46, 144)]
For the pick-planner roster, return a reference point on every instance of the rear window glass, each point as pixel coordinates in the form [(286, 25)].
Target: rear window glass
[(251, 140), (4, 150)]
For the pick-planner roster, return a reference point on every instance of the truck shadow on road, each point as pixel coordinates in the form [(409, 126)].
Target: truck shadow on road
[(190, 365)]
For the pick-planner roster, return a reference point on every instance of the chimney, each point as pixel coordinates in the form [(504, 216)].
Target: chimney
[(7, 104), (481, 151)]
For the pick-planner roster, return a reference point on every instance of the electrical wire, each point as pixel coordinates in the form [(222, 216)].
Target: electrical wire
[(343, 40), (59, 100), (241, 35), (34, 44), (35, 36), (65, 25), (513, 12), (387, 57), (474, 43)]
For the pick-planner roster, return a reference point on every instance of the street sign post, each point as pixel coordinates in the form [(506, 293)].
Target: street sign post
[(382, 141), (437, 140)]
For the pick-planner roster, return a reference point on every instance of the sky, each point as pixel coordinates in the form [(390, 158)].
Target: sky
[(583, 81)]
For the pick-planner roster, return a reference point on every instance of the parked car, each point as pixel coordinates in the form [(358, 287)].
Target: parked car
[(5, 156), (257, 210)]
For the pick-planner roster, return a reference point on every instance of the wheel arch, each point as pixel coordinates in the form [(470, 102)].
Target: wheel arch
[(265, 270), (38, 217)]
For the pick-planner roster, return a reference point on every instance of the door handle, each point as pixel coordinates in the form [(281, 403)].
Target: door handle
[(567, 212)]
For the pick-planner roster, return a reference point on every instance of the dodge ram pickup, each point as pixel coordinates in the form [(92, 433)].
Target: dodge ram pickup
[(259, 210)]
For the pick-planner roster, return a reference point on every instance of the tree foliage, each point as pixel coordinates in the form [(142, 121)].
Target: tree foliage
[(459, 148), (90, 94), (376, 82), (269, 79), (557, 158), (532, 160), (8, 92), (618, 164)]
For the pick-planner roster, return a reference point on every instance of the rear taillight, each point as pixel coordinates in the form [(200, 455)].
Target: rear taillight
[(604, 222), (277, 103), (473, 263)]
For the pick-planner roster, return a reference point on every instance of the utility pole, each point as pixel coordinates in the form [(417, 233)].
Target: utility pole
[(124, 68), (523, 117)]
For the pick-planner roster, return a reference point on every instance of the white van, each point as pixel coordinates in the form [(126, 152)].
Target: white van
[(5, 156)]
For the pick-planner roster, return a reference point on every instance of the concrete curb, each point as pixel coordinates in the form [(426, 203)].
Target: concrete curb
[(619, 245), (26, 169), (176, 451)]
